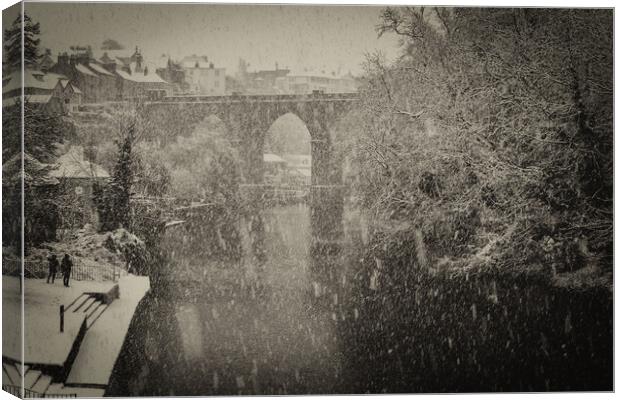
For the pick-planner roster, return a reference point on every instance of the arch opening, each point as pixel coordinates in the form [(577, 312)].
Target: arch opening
[(287, 154)]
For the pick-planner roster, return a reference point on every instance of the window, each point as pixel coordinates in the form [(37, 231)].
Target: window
[(217, 73)]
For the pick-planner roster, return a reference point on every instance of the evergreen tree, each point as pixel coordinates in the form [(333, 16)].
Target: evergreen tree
[(42, 132), (113, 200), (13, 43)]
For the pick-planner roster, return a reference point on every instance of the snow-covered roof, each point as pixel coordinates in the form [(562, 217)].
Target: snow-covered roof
[(272, 158), (66, 84), (75, 89), (151, 77), (98, 68), (32, 79), (31, 170), (73, 165), (84, 69)]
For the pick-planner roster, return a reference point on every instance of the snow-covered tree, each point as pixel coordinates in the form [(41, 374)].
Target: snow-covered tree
[(13, 43)]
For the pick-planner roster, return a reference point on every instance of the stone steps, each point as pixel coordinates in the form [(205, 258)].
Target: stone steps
[(42, 384), (86, 305), (13, 373), (88, 308), (95, 314), (34, 380), (90, 305), (38, 384), (76, 303), (31, 378)]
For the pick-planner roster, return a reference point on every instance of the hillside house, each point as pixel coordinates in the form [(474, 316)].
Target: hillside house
[(77, 176), (203, 77), (50, 90)]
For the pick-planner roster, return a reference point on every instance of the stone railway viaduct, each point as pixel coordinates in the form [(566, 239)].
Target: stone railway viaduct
[(247, 119)]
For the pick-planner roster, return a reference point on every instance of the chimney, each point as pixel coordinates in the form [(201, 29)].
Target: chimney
[(276, 65)]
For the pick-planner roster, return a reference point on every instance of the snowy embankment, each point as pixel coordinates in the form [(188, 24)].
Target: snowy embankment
[(96, 256)]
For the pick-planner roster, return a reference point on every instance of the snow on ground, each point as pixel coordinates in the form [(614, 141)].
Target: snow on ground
[(43, 341), (103, 341)]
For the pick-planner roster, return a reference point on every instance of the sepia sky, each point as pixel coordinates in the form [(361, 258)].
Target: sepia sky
[(319, 37)]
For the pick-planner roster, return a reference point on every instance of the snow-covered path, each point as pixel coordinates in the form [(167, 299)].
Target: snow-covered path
[(43, 341), (103, 341)]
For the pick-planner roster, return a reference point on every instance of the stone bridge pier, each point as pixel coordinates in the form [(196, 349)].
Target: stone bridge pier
[(247, 120)]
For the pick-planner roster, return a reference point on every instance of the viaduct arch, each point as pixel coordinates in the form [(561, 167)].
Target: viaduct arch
[(247, 119)]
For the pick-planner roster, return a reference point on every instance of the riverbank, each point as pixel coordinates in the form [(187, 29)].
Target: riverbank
[(437, 333)]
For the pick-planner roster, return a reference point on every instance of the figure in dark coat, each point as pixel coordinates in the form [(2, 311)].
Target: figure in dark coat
[(66, 266), (53, 267)]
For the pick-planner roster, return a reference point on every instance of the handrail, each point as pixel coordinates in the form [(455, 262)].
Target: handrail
[(84, 272), (14, 267), (60, 396), (80, 271)]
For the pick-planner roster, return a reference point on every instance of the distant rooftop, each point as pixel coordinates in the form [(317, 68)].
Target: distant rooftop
[(150, 77), (32, 79)]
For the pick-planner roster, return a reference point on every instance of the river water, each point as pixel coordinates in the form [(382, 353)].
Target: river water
[(246, 330)]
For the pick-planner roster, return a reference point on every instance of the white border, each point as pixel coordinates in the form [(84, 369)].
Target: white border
[(472, 3)]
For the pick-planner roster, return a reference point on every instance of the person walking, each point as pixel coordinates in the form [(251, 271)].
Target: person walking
[(53, 267), (66, 266)]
